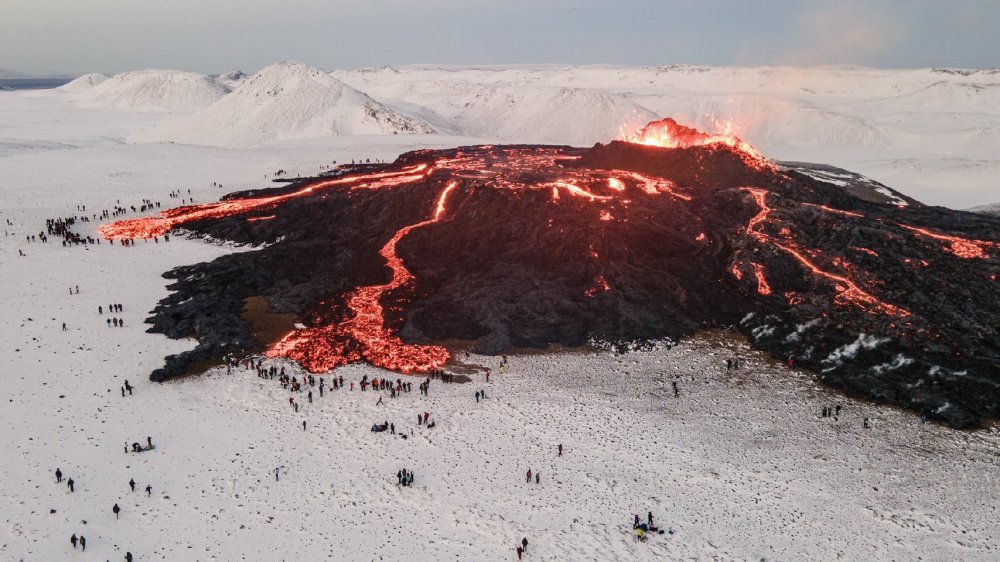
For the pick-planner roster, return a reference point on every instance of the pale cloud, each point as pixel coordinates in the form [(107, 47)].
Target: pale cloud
[(843, 33)]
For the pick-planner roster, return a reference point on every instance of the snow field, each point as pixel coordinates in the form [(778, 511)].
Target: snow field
[(741, 466)]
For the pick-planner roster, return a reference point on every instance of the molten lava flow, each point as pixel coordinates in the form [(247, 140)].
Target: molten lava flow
[(667, 133), (836, 211), (653, 186), (600, 285), (762, 286), (846, 289), (577, 191), (961, 247), (365, 335), (737, 272), (868, 251), (170, 219)]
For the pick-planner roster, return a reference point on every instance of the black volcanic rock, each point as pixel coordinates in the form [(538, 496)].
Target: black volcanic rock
[(537, 246)]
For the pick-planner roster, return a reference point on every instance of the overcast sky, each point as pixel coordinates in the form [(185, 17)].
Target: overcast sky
[(210, 36)]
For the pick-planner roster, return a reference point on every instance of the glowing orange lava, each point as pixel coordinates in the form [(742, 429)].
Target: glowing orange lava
[(762, 286), (149, 227), (847, 290), (600, 285), (667, 133), (576, 190), (835, 211), (365, 335), (961, 247)]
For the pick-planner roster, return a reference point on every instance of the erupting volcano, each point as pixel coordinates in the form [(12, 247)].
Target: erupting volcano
[(628, 242)]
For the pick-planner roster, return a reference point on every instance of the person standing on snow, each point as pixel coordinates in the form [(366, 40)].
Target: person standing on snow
[(528, 479), (58, 476)]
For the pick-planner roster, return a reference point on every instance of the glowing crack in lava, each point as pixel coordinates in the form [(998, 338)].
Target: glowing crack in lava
[(961, 247), (762, 286), (847, 290), (323, 348), (667, 133)]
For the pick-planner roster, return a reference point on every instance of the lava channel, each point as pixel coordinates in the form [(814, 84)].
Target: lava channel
[(365, 335), (847, 290)]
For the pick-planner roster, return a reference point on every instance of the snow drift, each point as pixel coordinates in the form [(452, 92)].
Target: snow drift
[(287, 101)]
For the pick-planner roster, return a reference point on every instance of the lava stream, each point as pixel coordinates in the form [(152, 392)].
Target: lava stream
[(846, 289), (150, 227), (836, 211), (762, 285), (321, 349), (961, 247)]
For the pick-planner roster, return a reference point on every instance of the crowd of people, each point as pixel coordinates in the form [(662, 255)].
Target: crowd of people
[(404, 477), (305, 384), (62, 227)]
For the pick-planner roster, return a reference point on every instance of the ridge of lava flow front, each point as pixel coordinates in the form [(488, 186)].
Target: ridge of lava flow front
[(627, 242)]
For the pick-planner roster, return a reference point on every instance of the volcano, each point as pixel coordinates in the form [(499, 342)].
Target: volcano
[(622, 244)]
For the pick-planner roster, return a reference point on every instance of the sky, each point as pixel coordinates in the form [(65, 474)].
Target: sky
[(211, 36)]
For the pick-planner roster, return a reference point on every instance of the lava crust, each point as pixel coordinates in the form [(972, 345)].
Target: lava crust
[(526, 246)]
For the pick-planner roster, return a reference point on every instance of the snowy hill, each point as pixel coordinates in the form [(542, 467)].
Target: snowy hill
[(542, 114), (993, 209), (233, 78), (287, 101), (156, 90), (931, 133), (85, 82), (772, 107)]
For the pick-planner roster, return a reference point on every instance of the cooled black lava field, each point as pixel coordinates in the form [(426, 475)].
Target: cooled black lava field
[(622, 243)]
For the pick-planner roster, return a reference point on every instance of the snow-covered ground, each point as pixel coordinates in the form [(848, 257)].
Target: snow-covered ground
[(740, 466)]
